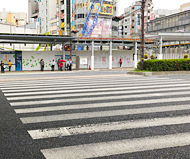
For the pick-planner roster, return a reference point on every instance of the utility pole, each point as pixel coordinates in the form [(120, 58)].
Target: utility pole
[(142, 35), (57, 14)]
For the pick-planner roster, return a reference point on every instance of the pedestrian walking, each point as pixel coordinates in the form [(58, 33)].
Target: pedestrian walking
[(10, 65), (53, 65), (42, 64), (58, 63), (2, 67), (120, 62), (70, 65)]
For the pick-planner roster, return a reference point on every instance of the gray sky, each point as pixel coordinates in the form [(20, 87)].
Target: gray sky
[(14, 5), (22, 5), (161, 4)]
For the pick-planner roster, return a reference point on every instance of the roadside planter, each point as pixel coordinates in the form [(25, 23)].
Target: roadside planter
[(145, 56), (166, 65), (185, 56), (152, 56)]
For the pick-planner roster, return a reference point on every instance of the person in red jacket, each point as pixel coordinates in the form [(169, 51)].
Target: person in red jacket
[(120, 62), (61, 64)]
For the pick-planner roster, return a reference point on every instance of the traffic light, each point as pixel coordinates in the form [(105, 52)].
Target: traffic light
[(67, 47), (117, 18)]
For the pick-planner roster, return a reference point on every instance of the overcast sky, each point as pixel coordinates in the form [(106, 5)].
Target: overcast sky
[(22, 5)]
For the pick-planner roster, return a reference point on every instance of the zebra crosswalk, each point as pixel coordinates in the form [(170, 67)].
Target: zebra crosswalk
[(103, 117)]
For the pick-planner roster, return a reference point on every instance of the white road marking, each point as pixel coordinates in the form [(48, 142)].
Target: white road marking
[(62, 117), (120, 97), (117, 147), (105, 127), (100, 93), (94, 89), (60, 82), (73, 80), (68, 87)]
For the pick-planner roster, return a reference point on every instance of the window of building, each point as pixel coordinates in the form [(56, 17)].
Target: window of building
[(125, 33), (80, 16), (54, 32), (53, 24), (46, 4), (125, 20), (46, 12), (125, 26)]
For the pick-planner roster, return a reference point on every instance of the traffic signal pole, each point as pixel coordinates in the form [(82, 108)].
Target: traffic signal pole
[(142, 35)]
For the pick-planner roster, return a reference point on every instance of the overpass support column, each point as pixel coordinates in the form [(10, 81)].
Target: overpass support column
[(92, 56), (160, 54), (135, 56), (110, 56)]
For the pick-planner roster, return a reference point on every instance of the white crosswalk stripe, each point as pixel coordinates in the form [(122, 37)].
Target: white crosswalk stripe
[(90, 107)]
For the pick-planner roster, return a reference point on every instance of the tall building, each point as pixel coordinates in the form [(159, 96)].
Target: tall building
[(47, 11), (66, 16), (131, 24), (164, 12), (185, 7), (33, 10), (13, 18), (52, 18), (104, 25)]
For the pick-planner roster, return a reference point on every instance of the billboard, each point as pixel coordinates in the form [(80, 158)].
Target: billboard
[(103, 27), (107, 9)]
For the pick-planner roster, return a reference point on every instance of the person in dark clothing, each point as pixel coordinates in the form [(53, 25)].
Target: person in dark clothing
[(70, 64), (2, 67), (58, 63), (42, 65), (52, 65)]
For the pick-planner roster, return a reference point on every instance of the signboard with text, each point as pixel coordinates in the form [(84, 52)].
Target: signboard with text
[(107, 9)]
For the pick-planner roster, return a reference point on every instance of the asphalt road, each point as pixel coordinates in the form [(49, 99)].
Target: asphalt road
[(99, 114), (56, 74)]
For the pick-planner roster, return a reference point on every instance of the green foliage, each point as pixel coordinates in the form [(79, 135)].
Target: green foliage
[(166, 65)]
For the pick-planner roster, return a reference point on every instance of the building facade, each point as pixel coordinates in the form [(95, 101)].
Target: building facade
[(13, 18), (52, 18), (185, 7), (131, 24), (33, 11), (103, 27), (66, 17), (159, 13), (179, 22), (47, 11)]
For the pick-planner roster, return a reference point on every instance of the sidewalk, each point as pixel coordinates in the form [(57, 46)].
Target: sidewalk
[(56, 71), (161, 73)]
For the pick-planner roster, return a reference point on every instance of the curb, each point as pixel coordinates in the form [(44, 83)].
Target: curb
[(164, 73)]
